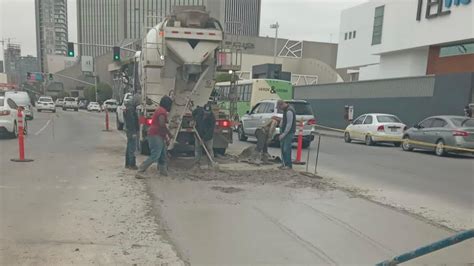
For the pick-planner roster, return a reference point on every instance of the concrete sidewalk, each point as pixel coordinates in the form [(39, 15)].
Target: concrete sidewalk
[(250, 219)]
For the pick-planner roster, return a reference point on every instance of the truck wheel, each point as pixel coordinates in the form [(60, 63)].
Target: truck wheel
[(241, 133), (119, 125), (220, 151), (306, 144), (144, 149)]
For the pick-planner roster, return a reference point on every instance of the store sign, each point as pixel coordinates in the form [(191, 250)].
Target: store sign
[(437, 8)]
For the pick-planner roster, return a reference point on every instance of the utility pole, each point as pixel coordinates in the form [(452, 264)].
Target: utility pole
[(275, 26)]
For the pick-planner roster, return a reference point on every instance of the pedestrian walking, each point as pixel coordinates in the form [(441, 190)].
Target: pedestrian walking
[(158, 139), (131, 128), (205, 123), (287, 132)]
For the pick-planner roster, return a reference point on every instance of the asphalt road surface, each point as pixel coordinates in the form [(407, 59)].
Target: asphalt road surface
[(416, 179)]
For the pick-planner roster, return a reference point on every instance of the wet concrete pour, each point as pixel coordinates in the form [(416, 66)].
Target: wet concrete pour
[(244, 215)]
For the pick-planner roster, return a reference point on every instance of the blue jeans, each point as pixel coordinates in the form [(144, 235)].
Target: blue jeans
[(157, 153), (130, 159), (285, 144)]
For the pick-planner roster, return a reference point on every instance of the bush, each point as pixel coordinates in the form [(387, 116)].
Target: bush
[(104, 92)]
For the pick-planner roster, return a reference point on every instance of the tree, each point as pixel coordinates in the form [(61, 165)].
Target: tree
[(104, 92), (223, 77)]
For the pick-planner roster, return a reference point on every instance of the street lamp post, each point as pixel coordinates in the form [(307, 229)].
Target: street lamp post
[(275, 26)]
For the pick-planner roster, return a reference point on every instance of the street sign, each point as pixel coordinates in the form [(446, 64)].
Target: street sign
[(87, 63)]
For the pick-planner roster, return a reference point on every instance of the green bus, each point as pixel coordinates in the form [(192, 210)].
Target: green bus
[(249, 92)]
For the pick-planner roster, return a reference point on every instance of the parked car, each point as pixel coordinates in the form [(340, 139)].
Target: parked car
[(263, 111), (93, 106), (22, 99), (45, 103), (59, 102), (70, 103), (438, 133), (120, 109), (9, 116), (374, 128), (110, 105)]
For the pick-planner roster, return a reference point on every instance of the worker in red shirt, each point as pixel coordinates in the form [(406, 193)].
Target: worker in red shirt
[(158, 139)]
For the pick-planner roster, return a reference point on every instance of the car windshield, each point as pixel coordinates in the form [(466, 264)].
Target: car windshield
[(301, 108), (45, 99), (20, 99), (388, 119), (463, 122)]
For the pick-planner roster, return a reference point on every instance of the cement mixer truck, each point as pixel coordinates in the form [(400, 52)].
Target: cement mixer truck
[(179, 58)]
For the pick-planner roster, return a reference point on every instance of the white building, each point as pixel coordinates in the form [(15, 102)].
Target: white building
[(402, 38)]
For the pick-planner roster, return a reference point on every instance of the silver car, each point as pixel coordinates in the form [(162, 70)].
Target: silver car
[(440, 134), (263, 112)]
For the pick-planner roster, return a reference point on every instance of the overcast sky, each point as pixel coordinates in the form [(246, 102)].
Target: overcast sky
[(314, 20)]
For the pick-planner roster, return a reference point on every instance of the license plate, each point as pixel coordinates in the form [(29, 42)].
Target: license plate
[(393, 129)]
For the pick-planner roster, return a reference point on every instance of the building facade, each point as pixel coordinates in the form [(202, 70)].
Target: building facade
[(110, 22), (390, 39), (12, 55), (51, 29), (238, 17), (26, 64)]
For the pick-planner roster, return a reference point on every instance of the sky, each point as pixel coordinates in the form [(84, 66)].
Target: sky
[(312, 20)]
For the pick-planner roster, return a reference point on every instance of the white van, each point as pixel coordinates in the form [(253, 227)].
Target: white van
[(22, 99)]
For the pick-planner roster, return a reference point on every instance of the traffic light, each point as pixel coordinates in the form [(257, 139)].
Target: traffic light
[(116, 53), (70, 49), (50, 76)]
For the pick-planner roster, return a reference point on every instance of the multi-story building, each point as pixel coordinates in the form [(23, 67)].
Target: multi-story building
[(24, 65), (11, 56), (390, 39), (238, 17), (51, 29), (111, 22)]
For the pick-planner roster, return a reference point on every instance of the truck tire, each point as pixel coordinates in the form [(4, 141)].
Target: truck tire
[(119, 125), (220, 151), (144, 149)]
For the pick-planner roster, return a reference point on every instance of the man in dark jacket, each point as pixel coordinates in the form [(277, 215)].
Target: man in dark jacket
[(131, 127), (205, 123), (287, 132)]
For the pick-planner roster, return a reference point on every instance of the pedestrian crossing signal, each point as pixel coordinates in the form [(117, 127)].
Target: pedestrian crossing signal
[(70, 49), (116, 53)]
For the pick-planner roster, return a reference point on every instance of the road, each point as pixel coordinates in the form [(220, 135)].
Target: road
[(73, 204), (438, 188)]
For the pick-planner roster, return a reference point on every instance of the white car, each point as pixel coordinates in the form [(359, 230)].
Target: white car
[(93, 106), (373, 128), (46, 103), (59, 102), (9, 117), (70, 103), (22, 99), (263, 112), (110, 105)]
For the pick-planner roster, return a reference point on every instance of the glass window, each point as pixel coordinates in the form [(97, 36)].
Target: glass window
[(350, 35), (345, 36), (459, 49), (255, 110), (378, 25), (368, 120), (427, 123), (359, 120), (12, 104), (459, 122), (354, 34), (388, 119), (439, 123)]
